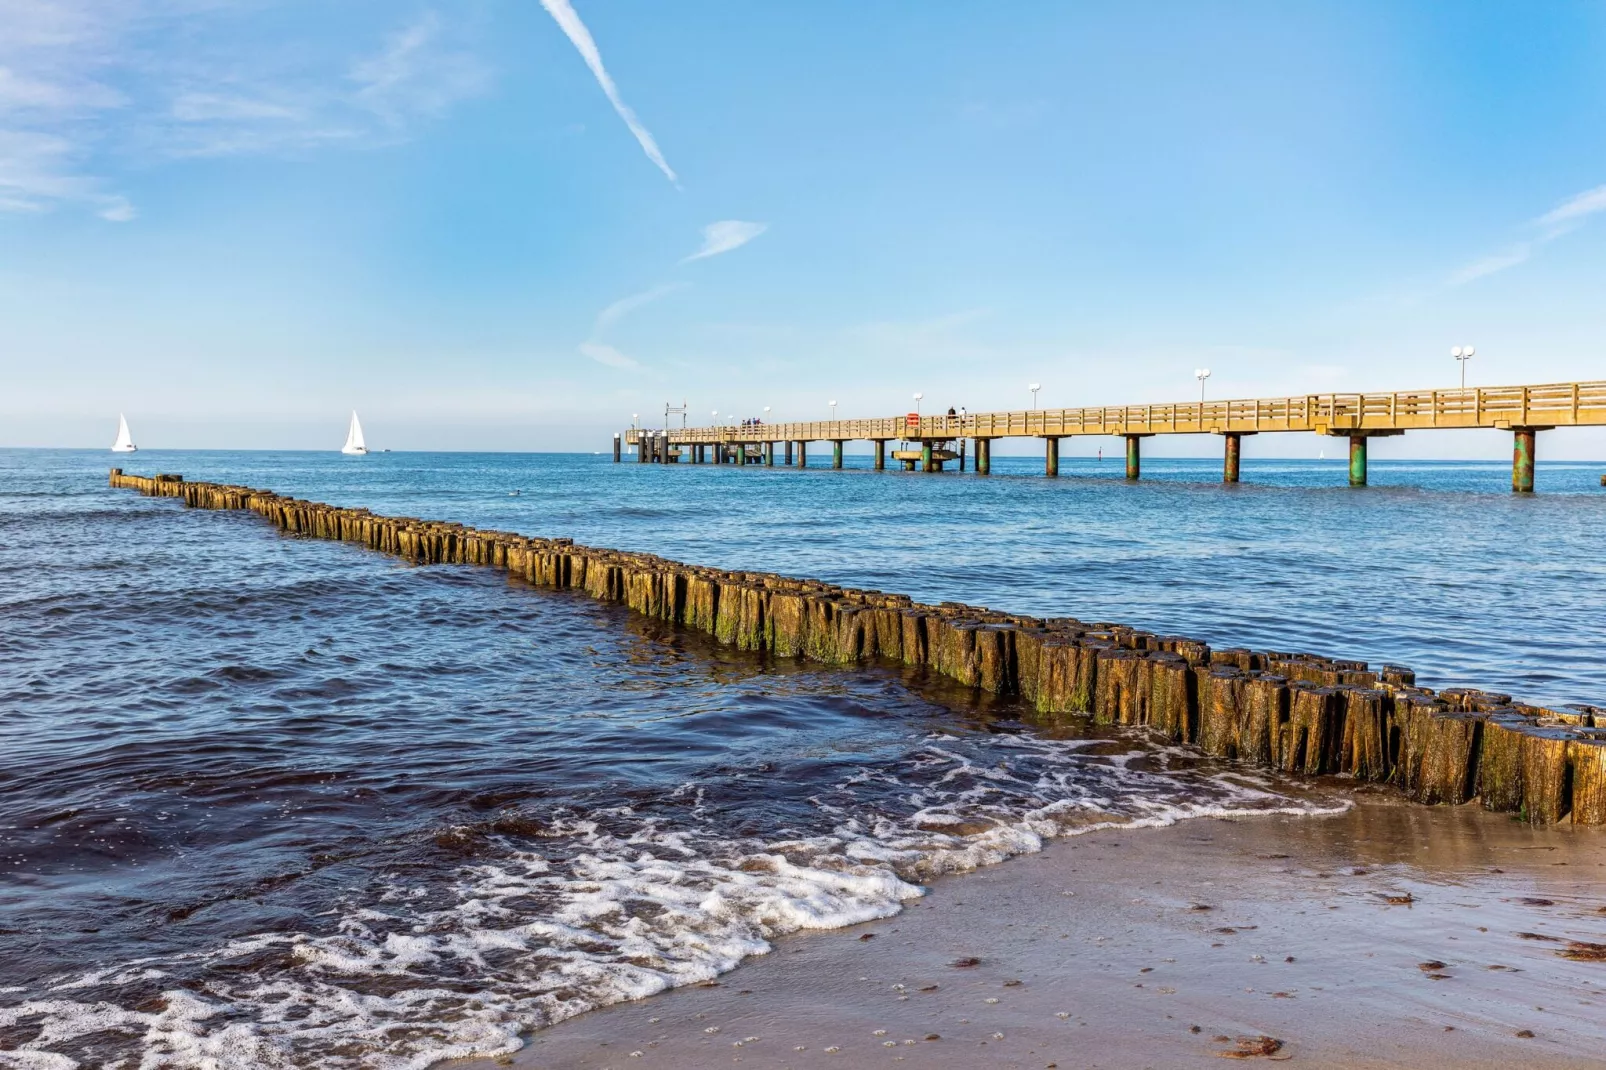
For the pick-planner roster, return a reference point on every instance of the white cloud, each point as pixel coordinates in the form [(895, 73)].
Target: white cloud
[(606, 354), (1576, 209), (620, 308), (1488, 265), (117, 210), (414, 76), (39, 170), (86, 82), (213, 107), (726, 235), (603, 353), (1565, 217), (564, 14)]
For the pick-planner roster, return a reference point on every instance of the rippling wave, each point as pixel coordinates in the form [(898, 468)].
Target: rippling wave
[(274, 802)]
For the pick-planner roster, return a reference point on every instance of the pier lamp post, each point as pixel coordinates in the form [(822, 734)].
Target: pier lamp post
[(633, 418), (1034, 388), (833, 409), (1201, 374), (917, 403), (1462, 354), (714, 416), (766, 414)]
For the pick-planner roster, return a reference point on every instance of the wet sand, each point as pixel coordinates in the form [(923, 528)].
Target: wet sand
[(1393, 935)]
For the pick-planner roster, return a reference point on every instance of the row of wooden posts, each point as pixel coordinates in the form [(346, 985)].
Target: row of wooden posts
[(1293, 712), (656, 447)]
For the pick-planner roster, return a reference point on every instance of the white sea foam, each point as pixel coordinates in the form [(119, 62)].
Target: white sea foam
[(616, 905)]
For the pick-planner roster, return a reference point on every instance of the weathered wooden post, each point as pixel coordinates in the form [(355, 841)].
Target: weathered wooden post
[(1134, 456), (1357, 460), (926, 463), (1051, 457), (836, 453), (616, 448), (1522, 459), (641, 447), (984, 456), (1229, 471), (880, 454)]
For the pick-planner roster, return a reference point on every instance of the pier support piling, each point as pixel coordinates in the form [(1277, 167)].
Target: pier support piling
[(1357, 460), (961, 455), (802, 454), (616, 448), (788, 453), (1134, 456), (984, 456), (926, 463), (1229, 467), (1524, 441), (1051, 457), (880, 454), (836, 453)]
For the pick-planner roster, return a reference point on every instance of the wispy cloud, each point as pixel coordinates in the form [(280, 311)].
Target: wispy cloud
[(625, 305), (39, 170), (936, 339), (1562, 219), (1575, 210), (606, 354), (87, 84), (413, 76), (600, 351), (1488, 265), (564, 14), (726, 235)]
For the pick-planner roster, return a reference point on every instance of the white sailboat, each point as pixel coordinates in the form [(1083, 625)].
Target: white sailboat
[(125, 441), (354, 442)]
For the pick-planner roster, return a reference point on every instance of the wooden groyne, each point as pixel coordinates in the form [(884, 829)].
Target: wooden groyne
[(1293, 712)]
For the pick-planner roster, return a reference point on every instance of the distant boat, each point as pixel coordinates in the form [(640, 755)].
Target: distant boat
[(354, 442), (125, 441)]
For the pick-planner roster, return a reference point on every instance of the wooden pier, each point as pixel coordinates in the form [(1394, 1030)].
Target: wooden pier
[(1294, 712), (939, 440)]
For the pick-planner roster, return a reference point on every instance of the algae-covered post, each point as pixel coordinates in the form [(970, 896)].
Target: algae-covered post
[(1300, 713)]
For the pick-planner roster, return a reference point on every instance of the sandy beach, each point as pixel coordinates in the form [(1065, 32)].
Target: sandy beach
[(1393, 935)]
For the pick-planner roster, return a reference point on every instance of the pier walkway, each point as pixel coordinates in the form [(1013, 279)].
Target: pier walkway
[(937, 440)]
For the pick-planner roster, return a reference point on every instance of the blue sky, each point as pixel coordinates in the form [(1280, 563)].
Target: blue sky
[(236, 221)]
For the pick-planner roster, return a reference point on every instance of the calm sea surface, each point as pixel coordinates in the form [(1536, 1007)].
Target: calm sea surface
[(269, 802)]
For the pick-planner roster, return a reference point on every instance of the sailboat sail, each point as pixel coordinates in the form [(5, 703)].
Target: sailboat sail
[(354, 442), (125, 441)]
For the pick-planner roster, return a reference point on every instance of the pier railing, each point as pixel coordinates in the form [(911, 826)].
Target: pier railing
[(1504, 407)]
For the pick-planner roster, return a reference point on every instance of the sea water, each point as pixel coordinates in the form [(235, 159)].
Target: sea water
[(272, 802)]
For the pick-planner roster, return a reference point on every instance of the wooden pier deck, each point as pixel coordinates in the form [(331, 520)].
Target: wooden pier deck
[(1523, 410)]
